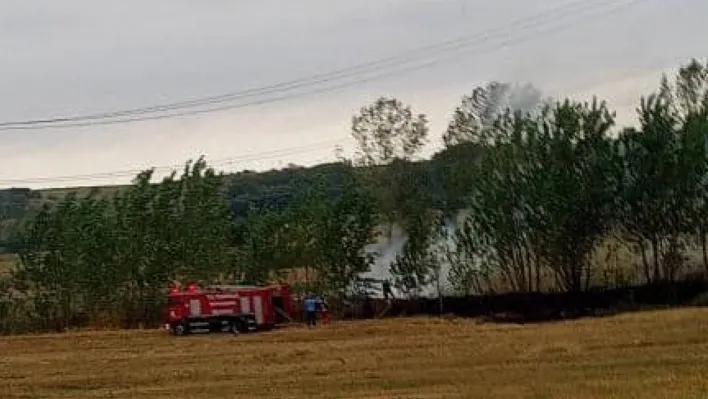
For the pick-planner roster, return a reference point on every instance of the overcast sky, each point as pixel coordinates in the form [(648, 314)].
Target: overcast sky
[(83, 56)]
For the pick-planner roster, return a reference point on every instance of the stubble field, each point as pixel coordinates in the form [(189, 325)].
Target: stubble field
[(644, 355)]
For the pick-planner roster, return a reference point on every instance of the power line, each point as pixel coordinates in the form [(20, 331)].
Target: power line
[(131, 172), (448, 46), (227, 160), (297, 82), (271, 154)]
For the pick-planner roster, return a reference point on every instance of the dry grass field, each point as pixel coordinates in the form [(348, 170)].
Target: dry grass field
[(7, 262), (644, 355)]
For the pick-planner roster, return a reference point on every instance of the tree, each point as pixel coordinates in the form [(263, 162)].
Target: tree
[(419, 265), (544, 194), (265, 246), (454, 169), (178, 229), (203, 222), (657, 181), (498, 230), (389, 136), (343, 227), (472, 129), (441, 239), (575, 183), (48, 277), (66, 262), (477, 112), (90, 258), (388, 130), (470, 273), (689, 100), (412, 269)]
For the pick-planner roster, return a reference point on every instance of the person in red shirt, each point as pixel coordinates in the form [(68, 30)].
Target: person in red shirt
[(324, 312)]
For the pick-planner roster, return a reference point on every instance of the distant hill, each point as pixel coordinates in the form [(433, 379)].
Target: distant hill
[(275, 187), (270, 188)]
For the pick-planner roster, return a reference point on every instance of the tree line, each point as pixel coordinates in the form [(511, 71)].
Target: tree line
[(528, 195)]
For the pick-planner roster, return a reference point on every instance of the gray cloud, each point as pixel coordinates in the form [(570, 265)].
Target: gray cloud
[(80, 56)]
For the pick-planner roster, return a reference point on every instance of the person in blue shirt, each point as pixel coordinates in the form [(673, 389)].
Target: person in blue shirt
[(310, 305)]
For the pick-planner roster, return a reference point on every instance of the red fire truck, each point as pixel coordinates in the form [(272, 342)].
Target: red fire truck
[(237, 309)]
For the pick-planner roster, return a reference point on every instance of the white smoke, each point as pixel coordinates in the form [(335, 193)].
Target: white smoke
[(500, 97), (515, 97), (388, 246)]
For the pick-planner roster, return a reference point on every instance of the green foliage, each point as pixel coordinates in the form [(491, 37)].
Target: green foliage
[(389, 136), (576, 173), (265, 244), (470, 271), (341, 229), (454, 170), (412, 267), (388, 130), (499, 229), (475, 116), (419, 264), (90, 258), (665, 163), (322, 231)]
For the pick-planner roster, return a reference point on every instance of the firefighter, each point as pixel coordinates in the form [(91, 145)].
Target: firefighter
[(387, 290), (310, 304)]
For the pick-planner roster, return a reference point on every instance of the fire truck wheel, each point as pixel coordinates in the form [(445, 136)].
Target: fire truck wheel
[(179, 330), (235, 328)]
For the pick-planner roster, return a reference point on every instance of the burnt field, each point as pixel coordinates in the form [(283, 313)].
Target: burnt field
[(660, 354)]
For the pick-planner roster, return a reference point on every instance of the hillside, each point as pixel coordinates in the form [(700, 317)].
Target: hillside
[(271, 188)]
